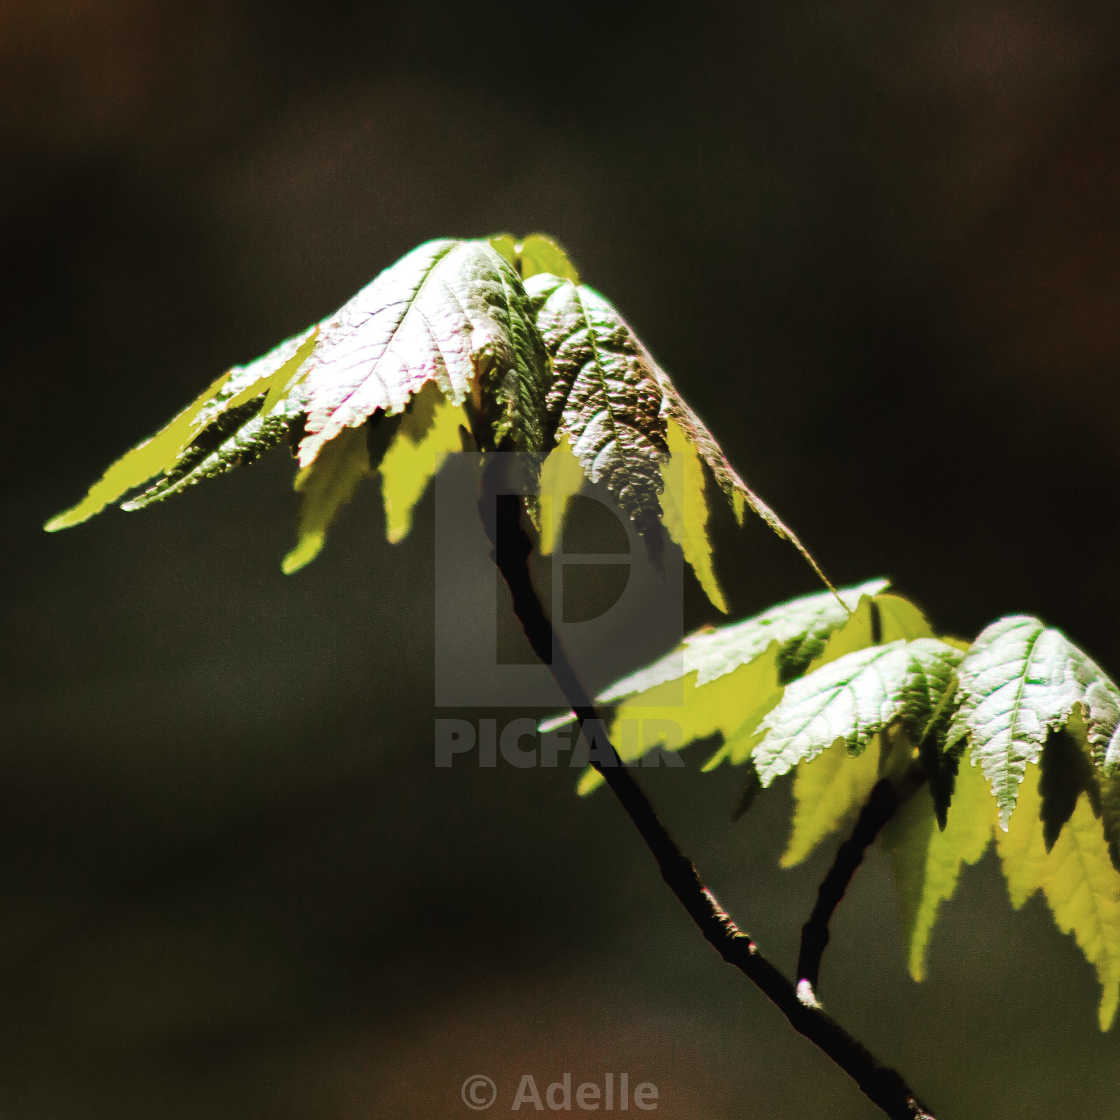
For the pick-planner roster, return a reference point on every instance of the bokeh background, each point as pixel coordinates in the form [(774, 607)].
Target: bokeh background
[(877, 247)]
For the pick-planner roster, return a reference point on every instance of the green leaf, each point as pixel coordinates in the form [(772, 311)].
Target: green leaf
[(603, 397), (535, 254), (454, 317), (325, 486), (852, 699), (828, 796), (561, 480), (430, 430), (1019, 682), (685, 510), (628, 426), (169, 450), (451, 317), (927, 860), (450, 313), (1078, 881), (721, 680)]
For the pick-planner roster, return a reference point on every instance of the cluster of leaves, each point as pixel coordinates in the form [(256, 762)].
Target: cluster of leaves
[(846, 689), (491, 345), (496, 345)]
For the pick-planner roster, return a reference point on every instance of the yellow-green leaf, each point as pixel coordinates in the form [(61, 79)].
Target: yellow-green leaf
[(723, 679), (450, 313), (163, 452), (561, 480), (629, 427), (685, 511), (427, 433), (828, 795), (1077, 879), (325, 486), (927, 860), (852, 699)]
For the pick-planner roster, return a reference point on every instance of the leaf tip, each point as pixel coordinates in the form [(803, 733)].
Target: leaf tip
[(590, 780), (1110, 1002), (60, 521), (309, 547)]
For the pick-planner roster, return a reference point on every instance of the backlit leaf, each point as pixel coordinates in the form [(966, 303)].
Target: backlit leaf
[(561, 480), (722, 679), (852, 699), (927, 860), (629, 427), (450, 313), (534, 254), (828, 796), (324, 487), (1078, 881), (1019, 682), (169, 451), (430, 430)]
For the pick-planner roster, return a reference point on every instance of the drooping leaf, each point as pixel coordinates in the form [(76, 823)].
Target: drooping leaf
[(684, 510), (603, 396), (1077, 879), (723, 680), (1019, 682), (169, 451), (828, 796), (1065, 772), (629, 427), (325, 487), (852, 699), (927, 860), (800, 628), (452, 315), (430, 430), (561, 480)]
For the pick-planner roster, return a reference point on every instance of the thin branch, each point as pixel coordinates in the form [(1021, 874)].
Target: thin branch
[(884, 799), (501, 515)]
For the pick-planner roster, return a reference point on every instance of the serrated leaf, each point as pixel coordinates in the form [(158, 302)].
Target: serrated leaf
[(722, 680), (684, 503), (1019, 682), (1102, 723), (324, 488), (927, 860), (852, 699), (428, 432), (164, 452), (829, 794), (450, 313), (603, 396), (629, 427), (1078, 881), (799, 627)]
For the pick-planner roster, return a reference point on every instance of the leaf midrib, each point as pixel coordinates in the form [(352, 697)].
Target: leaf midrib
[(408, 304)]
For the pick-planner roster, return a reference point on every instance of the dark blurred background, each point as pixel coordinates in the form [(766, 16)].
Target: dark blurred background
[(876, 246)]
